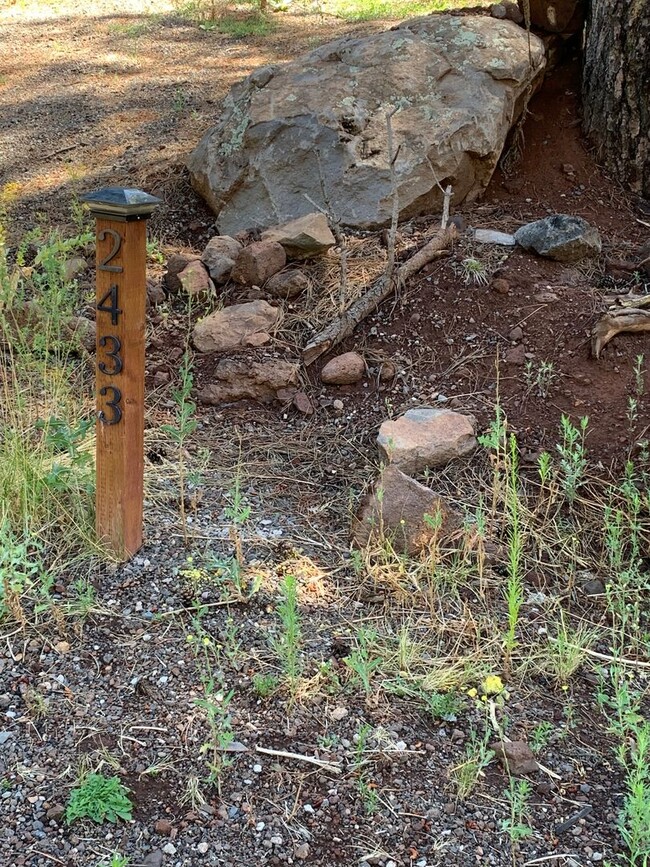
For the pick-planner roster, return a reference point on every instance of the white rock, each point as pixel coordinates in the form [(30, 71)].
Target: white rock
[(488, 236)]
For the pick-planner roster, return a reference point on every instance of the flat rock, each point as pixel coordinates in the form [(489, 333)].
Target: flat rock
[(219, 257), (234, 380), (257, 262), (288, 131), (235, 326), (516, 757), (344, 369), (425, 437), (307, 236), (396, 509), (287, 284), (490, 236), (195, 280), (560, 237)]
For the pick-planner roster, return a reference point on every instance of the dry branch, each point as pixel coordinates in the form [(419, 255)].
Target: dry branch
[(612, 323), (282, 754), (344, 325)]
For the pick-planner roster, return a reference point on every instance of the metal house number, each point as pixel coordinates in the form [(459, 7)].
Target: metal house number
[(109, 303)]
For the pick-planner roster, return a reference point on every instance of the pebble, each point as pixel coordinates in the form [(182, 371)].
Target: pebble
[(202, 848), (169, 849), (302, 851), (257, 769)]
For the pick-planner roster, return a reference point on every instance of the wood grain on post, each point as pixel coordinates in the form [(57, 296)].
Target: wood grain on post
[(121, 302)]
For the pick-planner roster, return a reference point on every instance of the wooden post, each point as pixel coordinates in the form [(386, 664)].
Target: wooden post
[(121, 216)]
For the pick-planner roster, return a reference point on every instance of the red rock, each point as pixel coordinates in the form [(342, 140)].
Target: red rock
[(257, 262), (344, 369)]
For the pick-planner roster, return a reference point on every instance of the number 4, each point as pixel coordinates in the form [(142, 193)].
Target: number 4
[(113, 309)]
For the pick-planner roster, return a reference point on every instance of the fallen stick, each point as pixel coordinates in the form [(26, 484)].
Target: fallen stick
[(327, 766), (612, 323), (344, 325)]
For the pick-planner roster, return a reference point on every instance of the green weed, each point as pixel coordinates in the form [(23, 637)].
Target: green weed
[(100, 798), (287, 644)]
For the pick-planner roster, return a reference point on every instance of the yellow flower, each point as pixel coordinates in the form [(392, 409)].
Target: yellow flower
[(206, 641), (472, 693), (492, 685), (189, 638)]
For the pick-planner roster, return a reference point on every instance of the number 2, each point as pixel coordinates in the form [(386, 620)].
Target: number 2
[(117, 243), (114, 405)]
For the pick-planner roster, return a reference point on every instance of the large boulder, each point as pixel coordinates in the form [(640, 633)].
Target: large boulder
[(319, 123)]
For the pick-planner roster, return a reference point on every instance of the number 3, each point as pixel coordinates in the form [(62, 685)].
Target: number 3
[(117, 412), (114, 354)]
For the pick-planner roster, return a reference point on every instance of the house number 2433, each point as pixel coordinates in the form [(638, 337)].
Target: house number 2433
[(112, 363)]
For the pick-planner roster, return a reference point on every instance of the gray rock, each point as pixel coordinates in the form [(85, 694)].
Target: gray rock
[(302, 238), (513, 12), (219, 257), (236, 326), (153, 859), (71, 268), (425, 437), (459, 82), (560, 237), (498, 10), (234, 380), (403, 511), (489, 236), (4, 737)]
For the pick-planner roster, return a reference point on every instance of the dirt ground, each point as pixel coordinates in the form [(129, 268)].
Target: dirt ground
[(120, 99)]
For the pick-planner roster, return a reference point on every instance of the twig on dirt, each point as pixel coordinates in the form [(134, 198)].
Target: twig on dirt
[(335, 225), (327, 766), (446, 202), (343, 325), (55, 154), (619, 660), (550, 858), (563, 827)]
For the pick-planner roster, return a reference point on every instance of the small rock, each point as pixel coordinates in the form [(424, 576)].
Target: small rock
[(153, 859), (516, 355), (516, 756), (488, 236), (195, 280), (71, 268), (260, 338), (546, 297), (164, 827), (155, 292), (593, 587), (338, 713), (344, 369), (257, 769), (5, 701), (404, 511), (257, 262), (219, 257), (387, 371), (169, 849), (56, 812), (560, 237), (160, 378), (517, 333), (202, 848), (175, 264), (302, 403), (338, 405), (497, 10), (501, 286), (307, 236), (276, 840), (83, 330), (513, 12), (302, 851), (425, 437), (231, 327), (287, 284)]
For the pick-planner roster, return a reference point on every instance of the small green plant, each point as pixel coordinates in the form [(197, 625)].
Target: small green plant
[(477, 757), (639, 376), (183, 428), (288, 643), (361, 661), (475, 271), (265, 684), (540, 377), (514, 592), (117, 860), (367, 790), (540, 736), (516, 825), (100, 798), (573, 456)]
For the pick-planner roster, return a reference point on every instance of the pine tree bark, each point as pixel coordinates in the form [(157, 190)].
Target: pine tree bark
[(616, 88)]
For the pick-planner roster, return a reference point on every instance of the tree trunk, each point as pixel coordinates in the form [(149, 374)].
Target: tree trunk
[(616, 88)]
